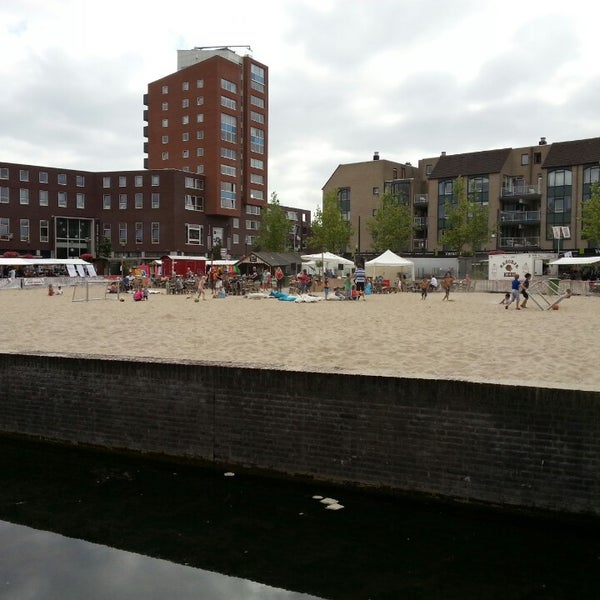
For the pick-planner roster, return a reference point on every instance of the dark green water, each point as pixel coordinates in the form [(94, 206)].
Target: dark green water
[(262, 532)]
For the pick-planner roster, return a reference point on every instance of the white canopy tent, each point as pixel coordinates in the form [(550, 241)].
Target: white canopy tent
[(576, 260), (388, 265), (327, 260)]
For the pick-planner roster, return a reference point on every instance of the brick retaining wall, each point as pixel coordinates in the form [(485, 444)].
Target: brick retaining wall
[(505, 445)]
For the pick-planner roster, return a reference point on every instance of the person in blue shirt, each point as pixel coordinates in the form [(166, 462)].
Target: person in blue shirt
[(514, 291)]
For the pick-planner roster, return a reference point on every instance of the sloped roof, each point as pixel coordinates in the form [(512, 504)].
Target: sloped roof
[(470, 163), (578, 152), (274, 259)]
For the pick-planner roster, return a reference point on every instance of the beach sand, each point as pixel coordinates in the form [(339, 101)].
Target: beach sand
[(472, 337)]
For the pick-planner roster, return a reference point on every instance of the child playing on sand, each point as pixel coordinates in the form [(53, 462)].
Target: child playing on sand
[(506, 299)]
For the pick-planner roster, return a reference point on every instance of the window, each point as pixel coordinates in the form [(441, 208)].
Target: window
[(24, 230), (164, 139), (256, 163), (155, 233), (106, 182), (227, 170), (165, 106), (199, 100), (23, 175), (558, 199), (44, 230), (122, 201), (200, 83), (200, 118), (200, 134), (344, 202), (80, 181), (228, 103), (62, 199), (537, 158), (185, 136), (165, 89), (139, 200), (478, 189), (23, 196), (228, 153), (122, 181), (235, 223), (590, 175), (139, 232), (194, 234), (193, 183), (185, 86), (236, 238), (155, 200), (139, 180), (80, 200), (252, 224), (200, 169), (155, 180), (185, 103), (185, 120), (4, 227), (257, 179), (4, 174), (291, 216), (257, 78), (165, 156), (524, 159), (62, 179), (106, 201), (194, 203), (258, 117), (256, 101), (252, 210), (428, 169), (122, 234), (228, 195), (199, 151), (257, 194), (375, 191), (42, 177), (165, 122), (43, 197), (445, 195), (107, 231), (257, 140), (228, 128), (185, 154), (229, 86), (5, 195), (250, 240)]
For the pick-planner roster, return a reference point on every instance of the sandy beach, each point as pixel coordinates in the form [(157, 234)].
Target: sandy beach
[(470, 338)]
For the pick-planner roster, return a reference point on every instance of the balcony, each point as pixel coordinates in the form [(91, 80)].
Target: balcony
[(519, 216), (420, 222), (421, 200), (419, 244), (520, 242), (523, 189)]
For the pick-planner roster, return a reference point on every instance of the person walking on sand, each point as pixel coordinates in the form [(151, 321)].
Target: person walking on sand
[(201, 286), (447, 285), (514, 292), (424, 288), (525, 289)]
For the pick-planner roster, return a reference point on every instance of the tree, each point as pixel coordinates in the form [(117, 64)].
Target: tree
[(590, 215), (391, 228), (466, 222), (330, 231), (104, 248), (274, 230)]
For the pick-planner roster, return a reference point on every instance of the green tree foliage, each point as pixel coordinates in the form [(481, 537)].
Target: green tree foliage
[(104, 248), (391, 228), (330, 231), (590, 216), (274, 231), (467, 225)]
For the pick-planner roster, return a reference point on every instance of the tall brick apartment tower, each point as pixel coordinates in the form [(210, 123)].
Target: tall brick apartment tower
[(211, 118)]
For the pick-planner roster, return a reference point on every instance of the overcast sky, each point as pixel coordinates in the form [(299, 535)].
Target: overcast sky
[(407, 78)]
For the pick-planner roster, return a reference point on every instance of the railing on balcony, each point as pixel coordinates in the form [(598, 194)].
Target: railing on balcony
[(420, 222), (523, 189), (419, 244), (520, 242), (519, 216), (421, 199)]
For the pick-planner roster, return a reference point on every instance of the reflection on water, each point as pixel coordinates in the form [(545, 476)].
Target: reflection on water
[(49, 566), (267, 531)]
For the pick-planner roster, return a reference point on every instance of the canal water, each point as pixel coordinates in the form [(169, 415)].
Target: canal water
[(76, 523)]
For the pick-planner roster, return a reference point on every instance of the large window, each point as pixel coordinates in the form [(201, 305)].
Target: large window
[(256, 101), (122, 201), (257, 78), (228, 102), (257, 140), (478, 189), (62, 199), (228, 128), (155, 200), (445, 196), (258, 117), (228, 197), (194, 234), (228, 170), (23, 196), (139, 200), (139, 232), (106, 201), (24, 230), (194, 202), (4, 195), (344, 202), (228, 153), (558, 199), (155, 233), (43, 197), (44, 230), (80, 200), (591, 175), (229, 86)]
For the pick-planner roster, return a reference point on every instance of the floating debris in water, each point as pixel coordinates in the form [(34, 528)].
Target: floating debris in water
[(334, 506), (317, 497), (329, 501), (229, 474)]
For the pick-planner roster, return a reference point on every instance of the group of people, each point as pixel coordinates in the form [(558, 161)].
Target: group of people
[(518, 288), (431, 285)]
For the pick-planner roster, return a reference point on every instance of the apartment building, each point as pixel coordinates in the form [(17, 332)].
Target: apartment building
[(529, 191), (210, 118)]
